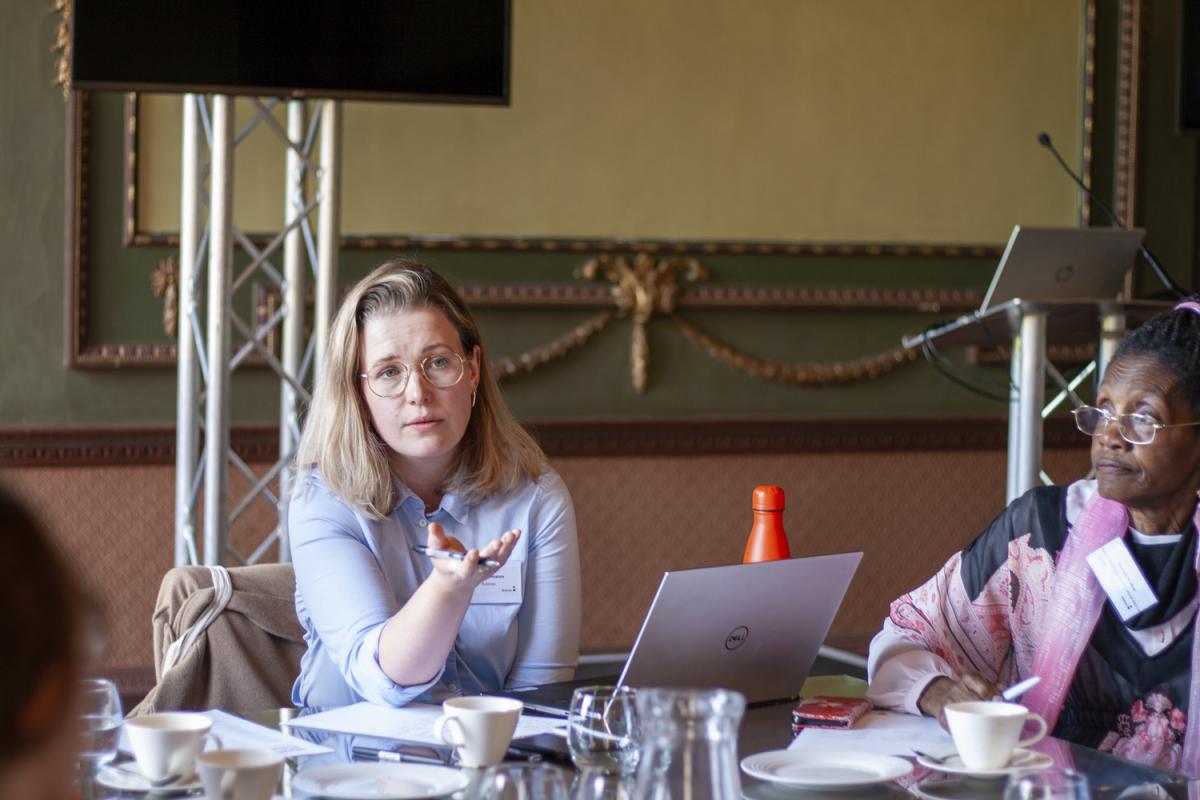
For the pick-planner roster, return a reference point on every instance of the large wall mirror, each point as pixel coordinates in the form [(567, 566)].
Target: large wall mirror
[(769, 121)]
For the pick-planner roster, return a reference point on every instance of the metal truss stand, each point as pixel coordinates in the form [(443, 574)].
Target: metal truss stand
[(1029, 326), (208, 321)]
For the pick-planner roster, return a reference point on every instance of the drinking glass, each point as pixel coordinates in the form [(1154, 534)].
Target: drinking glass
[(603, 729), (100, 721), (598, 784), (524, 781), (690, 750), (1048, 784)]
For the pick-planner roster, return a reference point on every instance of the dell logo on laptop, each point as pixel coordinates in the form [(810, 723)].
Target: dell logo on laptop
[(1064, 273), (737, 637)]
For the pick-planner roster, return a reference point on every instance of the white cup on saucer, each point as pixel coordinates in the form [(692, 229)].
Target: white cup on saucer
[(987, 732), (480, 728), (240, 774), (167, 744)]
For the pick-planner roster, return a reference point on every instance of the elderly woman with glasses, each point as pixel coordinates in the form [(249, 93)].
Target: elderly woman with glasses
[(435, 549), (1115, 657)]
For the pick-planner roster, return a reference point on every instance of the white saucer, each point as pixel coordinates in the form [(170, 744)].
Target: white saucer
[(378, 781), (129, 778), (824, 769), (1022, 759)]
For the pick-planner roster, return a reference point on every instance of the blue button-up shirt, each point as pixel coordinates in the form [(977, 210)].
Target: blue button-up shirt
[(354, 573)]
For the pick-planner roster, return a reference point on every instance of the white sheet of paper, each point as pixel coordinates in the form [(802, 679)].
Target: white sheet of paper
[(413, 722), (1122, 579), (884, 732), (237, 733)]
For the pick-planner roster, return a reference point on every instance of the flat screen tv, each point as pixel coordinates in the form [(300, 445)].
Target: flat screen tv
[(413, 50), (1189, 67)]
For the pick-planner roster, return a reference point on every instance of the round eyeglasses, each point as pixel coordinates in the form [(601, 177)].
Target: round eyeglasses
[(1134, 428), (442, 370)]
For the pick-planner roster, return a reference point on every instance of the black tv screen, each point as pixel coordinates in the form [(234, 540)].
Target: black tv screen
[(424, 50), (1189, 67)]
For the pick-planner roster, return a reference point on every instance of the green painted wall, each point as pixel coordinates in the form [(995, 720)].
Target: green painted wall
[(1166, 202), (36, 389)]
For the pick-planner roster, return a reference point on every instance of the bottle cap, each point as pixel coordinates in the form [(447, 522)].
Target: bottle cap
[(768, 498)]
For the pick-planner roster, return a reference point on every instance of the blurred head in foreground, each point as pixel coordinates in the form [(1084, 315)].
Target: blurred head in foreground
[(40, 625)]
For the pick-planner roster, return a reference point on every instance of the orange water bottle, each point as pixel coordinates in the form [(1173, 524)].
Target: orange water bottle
[(767, 541)]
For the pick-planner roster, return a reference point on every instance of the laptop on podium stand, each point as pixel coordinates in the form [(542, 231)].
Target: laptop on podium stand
[(1063, 265)]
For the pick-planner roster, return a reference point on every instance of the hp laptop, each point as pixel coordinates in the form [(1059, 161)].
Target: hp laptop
[(754, 628), (1063, 264)]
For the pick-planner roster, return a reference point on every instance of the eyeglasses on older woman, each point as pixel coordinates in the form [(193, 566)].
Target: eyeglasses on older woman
[(1134, 428)]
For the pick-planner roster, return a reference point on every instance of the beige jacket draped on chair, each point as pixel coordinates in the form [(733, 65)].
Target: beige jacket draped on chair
[(225, 639)]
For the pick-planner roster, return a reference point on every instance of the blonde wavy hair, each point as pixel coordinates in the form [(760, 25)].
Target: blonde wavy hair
[(495, 454)]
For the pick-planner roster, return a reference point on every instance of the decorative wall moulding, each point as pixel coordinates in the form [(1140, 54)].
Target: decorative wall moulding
[(116, 446), (82, 351)]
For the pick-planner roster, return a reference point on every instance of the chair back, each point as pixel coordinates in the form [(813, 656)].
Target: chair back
[(225, 639)]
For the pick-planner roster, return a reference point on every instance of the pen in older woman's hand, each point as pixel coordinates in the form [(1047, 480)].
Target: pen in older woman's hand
[(457, 555), (1017, 689)]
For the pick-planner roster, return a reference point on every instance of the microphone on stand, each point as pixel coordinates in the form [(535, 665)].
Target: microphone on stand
[(1043, 139)]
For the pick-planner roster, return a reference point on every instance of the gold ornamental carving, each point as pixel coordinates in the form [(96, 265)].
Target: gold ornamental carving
[(805, 374), (164, 280), (62, 45), (559, 348), (641, 289), (648, 287)]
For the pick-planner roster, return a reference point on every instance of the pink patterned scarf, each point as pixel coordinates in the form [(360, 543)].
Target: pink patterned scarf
[(1074, 608)]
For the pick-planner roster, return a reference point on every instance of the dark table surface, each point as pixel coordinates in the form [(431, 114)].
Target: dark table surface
[(768, 728)]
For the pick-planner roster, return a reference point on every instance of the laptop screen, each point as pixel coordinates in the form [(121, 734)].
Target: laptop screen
[(1063, 264), (754, 628)]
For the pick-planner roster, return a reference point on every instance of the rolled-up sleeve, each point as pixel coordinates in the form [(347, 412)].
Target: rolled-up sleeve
[(343, 599), (551, 614)]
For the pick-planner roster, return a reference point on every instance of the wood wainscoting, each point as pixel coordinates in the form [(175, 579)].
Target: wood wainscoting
[(649, 496)]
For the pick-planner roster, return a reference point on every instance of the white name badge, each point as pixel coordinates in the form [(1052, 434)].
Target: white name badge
[(1121, 579), (505, 587)]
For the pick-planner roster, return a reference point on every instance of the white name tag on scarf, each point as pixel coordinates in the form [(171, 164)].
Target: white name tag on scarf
[(1121, 579), (504, 587)]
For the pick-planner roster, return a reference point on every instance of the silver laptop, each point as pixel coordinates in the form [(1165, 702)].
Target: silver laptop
[(1063, 264), (755, 628)]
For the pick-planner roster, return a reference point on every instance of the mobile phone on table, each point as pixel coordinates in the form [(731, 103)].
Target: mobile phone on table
[(547, 745)]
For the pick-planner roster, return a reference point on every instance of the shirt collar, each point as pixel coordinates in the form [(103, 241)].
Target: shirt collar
[(452, 504), (455, 506)]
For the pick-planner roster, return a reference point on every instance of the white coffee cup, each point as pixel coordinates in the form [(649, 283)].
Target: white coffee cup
[(239, 774), (480, 728), (167, 744), (986, 733)]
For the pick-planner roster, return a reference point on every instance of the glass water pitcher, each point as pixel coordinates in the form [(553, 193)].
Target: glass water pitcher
[(689, 744)]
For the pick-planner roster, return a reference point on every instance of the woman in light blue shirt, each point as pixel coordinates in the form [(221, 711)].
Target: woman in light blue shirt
[(409, 442)]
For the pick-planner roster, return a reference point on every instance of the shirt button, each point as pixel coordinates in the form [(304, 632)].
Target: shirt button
[(422, 523)]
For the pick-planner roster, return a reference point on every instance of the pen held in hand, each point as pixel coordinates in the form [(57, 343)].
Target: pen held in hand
[(457, 555), (1017, 689)]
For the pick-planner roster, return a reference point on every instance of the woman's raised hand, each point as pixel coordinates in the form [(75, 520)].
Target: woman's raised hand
[(943, 691), (469, 572)]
